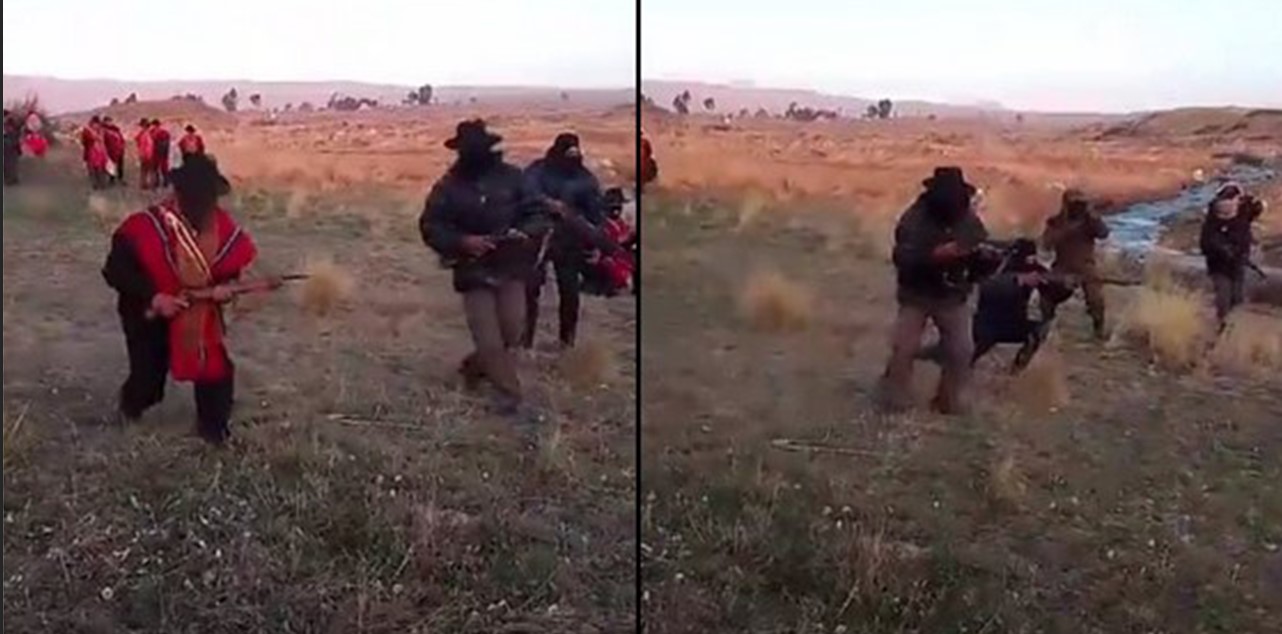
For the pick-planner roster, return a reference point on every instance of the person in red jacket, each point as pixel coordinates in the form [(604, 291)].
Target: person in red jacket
[(114, 139), (160, 138), (158, 255), (94, 153), (146, 154), (191, 144)]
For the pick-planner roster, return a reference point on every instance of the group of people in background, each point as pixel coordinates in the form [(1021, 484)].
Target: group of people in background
[(103, 146), (942, 253)]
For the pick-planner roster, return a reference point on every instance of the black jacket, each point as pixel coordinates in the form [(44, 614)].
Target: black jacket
[(580, 190), (1226, 243), (921, 278), (490, 204)]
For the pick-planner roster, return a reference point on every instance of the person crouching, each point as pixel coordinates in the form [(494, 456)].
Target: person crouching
[(159, 254)]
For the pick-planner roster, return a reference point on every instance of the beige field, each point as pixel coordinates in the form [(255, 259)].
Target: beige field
[(367, 491), (1126, 486)]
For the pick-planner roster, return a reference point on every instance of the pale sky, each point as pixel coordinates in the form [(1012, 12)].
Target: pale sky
[(1103, 55), (567, 43)]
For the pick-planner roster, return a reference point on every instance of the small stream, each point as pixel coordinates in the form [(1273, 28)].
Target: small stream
[(1137, 228)]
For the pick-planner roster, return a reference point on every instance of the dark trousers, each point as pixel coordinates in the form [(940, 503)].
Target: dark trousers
[(494, 318), (957, 347), (1230, 292), (11, 168), (1092, 292), (569, 285), (162, 169), (148, 345)]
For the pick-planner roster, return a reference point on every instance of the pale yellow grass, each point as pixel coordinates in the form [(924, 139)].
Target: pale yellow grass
[(1043, 386), (1007, 484), (1171, 322), (589, 364), (1250, 344), (773, 303), (107, 211), (326, 288), (878, 170)]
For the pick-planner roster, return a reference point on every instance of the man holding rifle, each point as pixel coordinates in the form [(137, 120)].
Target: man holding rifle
[(174, 266), (574, 195), (1226, 244), (939, 255), (488, 223)]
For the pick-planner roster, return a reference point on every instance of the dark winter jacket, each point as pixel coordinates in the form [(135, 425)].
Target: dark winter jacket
[(491, 204), (923, 279), (578, 189), (1226, 243)]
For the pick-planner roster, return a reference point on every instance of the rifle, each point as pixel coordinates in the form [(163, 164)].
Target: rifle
[(1258, 271), (581, 228), (237, 288)]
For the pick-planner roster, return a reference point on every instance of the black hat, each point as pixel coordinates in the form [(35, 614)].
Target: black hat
[(949, 177), (190, 128), (197, 172), (472, 133), (614, 198), (144, 121), (1023, 248), (565, 141)]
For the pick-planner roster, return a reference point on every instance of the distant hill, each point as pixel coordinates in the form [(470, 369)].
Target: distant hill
[(733, 98), (1238, 123), (76, 95)]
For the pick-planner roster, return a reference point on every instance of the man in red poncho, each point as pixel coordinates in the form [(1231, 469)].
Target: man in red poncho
[(94, 153), (115, 143), (191, 144), (159, 255), (160, 139), (146, 154)]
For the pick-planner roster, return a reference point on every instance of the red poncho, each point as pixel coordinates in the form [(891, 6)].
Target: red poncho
[(35, 143), (115, 142), (191, 143), (177, 259), (96, 155), (146, 146)]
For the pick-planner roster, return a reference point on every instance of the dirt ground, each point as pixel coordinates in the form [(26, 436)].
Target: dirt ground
[(1099, 492), (367, 492)]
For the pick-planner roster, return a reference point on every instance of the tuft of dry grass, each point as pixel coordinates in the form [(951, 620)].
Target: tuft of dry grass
[(106, 211), (328, 286), (1007, 484), (773, 303), (750, 209), (587, 365), (1043, 386), (1168, 320), (1250, 344), (296, 204), (15, 441)]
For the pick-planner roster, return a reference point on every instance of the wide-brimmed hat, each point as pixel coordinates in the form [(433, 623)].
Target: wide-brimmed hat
[(949, 177), (474, 134), (198, 172)]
